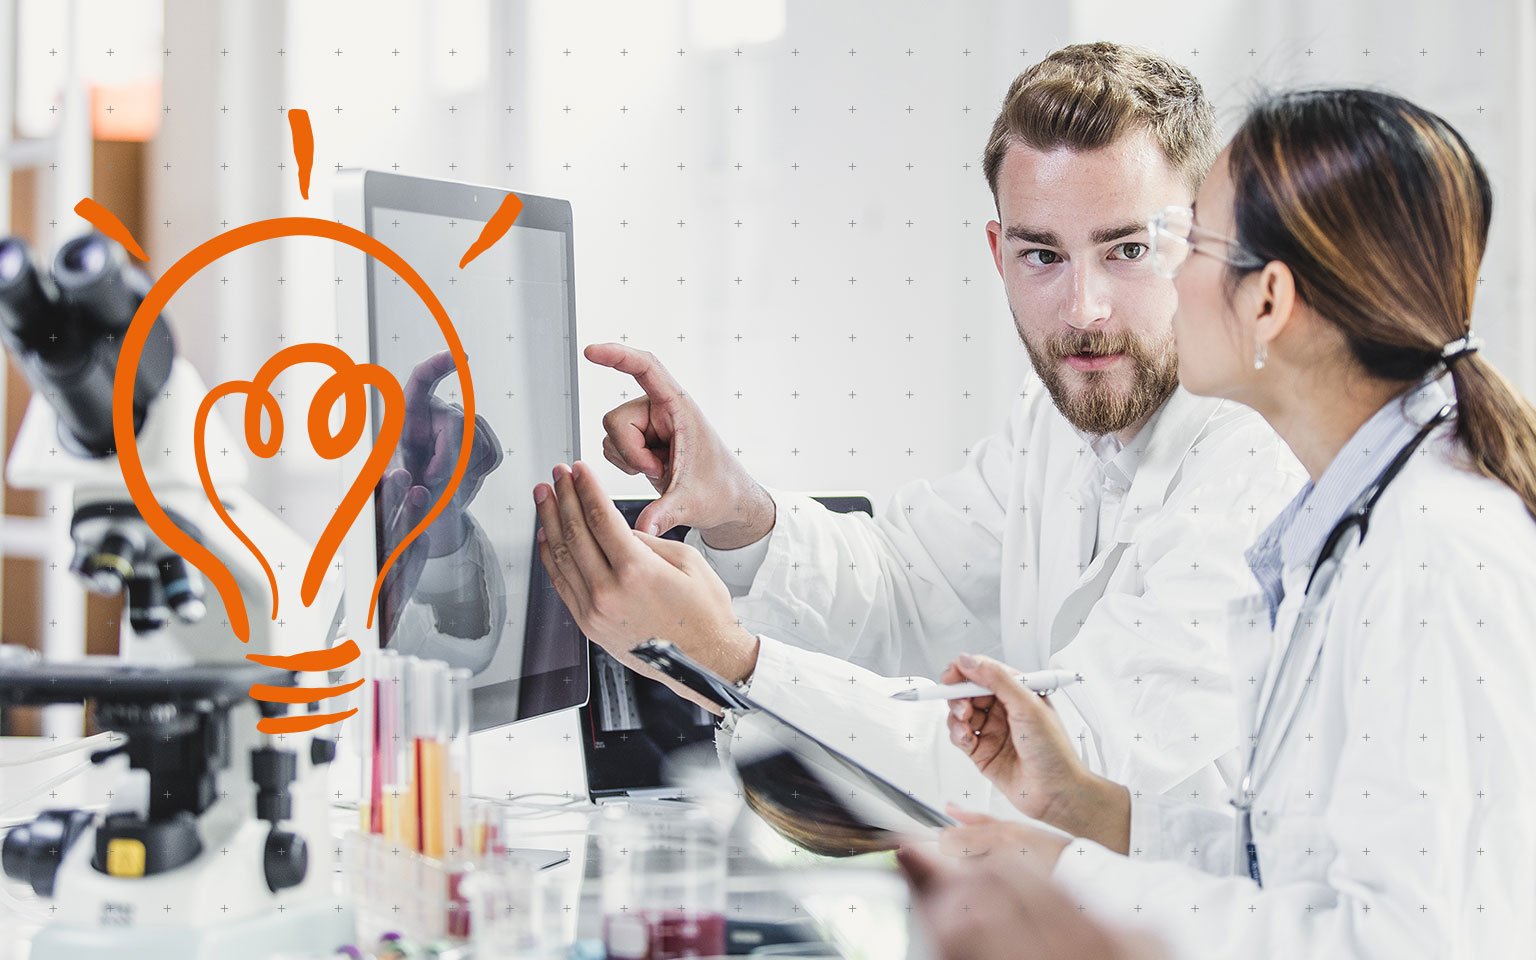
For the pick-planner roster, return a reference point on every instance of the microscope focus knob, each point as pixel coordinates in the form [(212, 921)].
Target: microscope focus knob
[(322, 750), (33, 852), (285, 860)]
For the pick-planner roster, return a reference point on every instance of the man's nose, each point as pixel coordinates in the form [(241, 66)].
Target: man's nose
[(1087, 300)]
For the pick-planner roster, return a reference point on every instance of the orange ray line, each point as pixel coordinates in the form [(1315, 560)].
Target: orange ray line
[(273, 694), (303, 147), (331, 658), (301, 723), (495, 228), (106, 221)]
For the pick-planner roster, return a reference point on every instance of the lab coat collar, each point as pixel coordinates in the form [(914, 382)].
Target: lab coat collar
[(1165, 442), (1319, 507)]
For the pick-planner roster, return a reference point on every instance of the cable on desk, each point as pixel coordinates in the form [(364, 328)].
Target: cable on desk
[(43, 788), (59, 750), (28, 907), (539, 811)]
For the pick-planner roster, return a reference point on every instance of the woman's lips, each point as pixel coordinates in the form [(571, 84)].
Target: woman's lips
[(1086, 363)]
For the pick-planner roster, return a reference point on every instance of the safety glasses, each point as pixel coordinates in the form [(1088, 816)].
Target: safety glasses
[(1174, 236)]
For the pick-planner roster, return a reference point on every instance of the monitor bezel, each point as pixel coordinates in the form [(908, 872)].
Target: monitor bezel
[(359, 193)]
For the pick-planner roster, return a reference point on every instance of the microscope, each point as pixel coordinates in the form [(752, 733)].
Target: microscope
[(215, 840)]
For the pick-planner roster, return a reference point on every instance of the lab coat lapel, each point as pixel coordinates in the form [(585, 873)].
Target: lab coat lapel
[(1249, 647), (1303, 622), (1066, 539), (1169, 438), (1087, 592)]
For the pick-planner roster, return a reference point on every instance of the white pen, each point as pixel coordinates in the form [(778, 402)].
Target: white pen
[(1041, 682)]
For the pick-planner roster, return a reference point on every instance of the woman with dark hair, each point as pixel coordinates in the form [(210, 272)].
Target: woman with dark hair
[(1384, 685)]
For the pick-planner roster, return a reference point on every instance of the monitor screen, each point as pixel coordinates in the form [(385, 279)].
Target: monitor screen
[(471, 591)]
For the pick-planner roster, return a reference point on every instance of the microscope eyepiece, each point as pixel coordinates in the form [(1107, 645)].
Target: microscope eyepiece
[(13, 259), (66, 333), (98, 283), (27, 301), (84, 255)]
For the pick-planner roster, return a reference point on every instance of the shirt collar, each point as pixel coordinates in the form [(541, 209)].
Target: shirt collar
[(1119, 460)]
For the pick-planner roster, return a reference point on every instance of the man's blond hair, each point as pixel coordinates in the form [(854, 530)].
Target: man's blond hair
[(1087, 95)]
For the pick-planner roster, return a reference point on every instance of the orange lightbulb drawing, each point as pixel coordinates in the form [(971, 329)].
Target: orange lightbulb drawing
[(347, 384)]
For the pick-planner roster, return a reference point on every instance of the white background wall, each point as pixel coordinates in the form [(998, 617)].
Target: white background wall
[(801, 304)]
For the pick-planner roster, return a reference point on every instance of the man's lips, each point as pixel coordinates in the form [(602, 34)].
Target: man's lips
[(1086, 362)]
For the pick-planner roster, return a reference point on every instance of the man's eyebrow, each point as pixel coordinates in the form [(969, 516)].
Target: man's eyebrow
[(1110, 234), (1030, 235), (1048, 238)]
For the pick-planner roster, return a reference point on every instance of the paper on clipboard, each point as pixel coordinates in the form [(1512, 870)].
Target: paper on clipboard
[(786, 763)]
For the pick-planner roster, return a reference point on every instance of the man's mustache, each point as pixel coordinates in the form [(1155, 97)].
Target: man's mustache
[(1094, 344)]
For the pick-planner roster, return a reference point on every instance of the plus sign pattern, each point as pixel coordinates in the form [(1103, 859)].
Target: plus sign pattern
[(790, 216)]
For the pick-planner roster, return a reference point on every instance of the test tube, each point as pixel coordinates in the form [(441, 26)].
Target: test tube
[(393, 746), (458, 758), (365, 735), (414, 687), (430, 738)]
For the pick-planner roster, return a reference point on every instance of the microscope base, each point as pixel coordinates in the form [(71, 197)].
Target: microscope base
[(302, 931)]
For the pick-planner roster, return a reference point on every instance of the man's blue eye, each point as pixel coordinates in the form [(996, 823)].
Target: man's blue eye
[(1038, 258), (1132, 250)]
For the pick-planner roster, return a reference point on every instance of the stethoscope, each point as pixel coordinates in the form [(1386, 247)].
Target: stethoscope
[(1356, 520)]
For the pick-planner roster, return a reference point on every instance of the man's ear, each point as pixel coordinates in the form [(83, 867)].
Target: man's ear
[(994, 239), (1275, 293)]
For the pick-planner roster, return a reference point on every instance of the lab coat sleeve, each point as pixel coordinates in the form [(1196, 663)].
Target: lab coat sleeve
[(850, 709), (1166, 828), (737, 567), (1427, 825), (1156, 708), (903, 592)]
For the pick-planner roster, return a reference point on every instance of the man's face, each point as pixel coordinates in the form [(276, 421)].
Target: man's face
[(1072, 252)]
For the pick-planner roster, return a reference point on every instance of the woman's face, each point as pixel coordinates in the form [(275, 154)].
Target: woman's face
[(1212, 331)]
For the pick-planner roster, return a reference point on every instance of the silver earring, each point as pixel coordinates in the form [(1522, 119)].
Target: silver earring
[(1260, 355)]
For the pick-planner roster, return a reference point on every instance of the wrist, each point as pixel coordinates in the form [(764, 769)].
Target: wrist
[(754, 517), (740, 657), (1094, 808)]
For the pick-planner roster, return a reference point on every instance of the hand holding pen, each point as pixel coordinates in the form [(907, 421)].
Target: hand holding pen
[(1017, 741)]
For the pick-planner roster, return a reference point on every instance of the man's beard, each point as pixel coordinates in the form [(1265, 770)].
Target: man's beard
[(1099, 407)]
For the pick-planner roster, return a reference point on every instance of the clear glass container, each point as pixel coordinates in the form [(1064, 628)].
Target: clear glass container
[(663, 882), (514, 911)]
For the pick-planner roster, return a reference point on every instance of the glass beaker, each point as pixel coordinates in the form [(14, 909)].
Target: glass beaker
[(514, 911), (663, 885)]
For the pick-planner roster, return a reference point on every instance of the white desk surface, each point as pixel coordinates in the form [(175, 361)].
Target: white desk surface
[(860, 906)]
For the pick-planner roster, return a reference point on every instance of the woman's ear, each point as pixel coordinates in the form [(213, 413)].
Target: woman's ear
[(1275, 293)]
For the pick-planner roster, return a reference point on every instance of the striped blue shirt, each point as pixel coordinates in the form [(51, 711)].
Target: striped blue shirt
[(1297, 534)]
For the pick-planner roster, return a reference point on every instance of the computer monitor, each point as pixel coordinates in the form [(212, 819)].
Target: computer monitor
[(471, 591)]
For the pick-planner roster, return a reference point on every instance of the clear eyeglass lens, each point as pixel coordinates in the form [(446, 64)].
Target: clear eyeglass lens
[(1170, 240)]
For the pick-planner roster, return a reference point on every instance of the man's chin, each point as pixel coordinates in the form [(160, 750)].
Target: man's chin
[(1104, 404)]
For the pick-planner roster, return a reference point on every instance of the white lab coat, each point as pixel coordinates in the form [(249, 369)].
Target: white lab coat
[(998, 559), (1396, 820)]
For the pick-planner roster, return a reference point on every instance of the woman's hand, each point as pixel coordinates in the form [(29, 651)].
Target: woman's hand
[(1002, 909), (979, 835), (1017, 742)]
